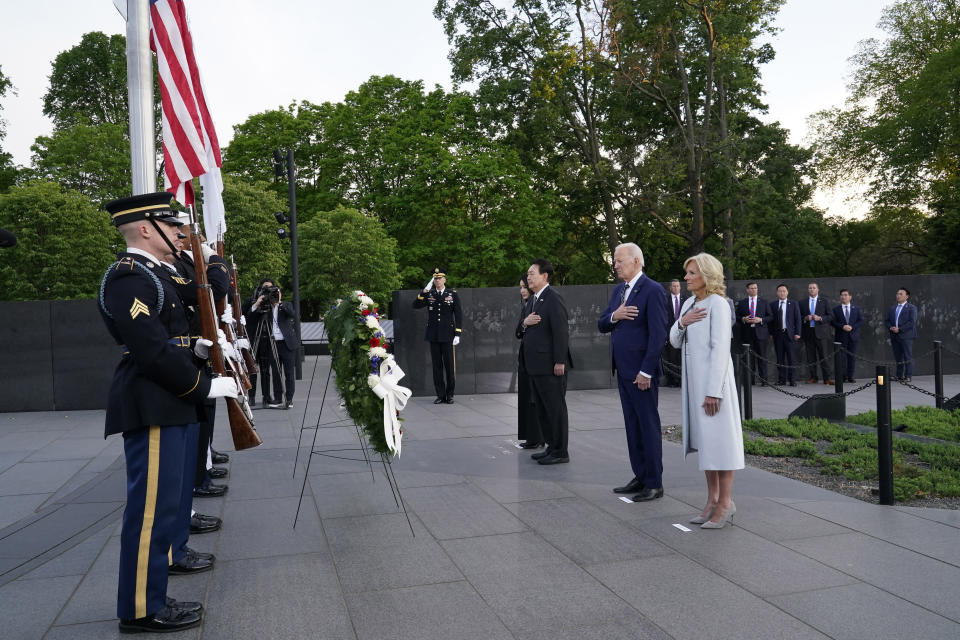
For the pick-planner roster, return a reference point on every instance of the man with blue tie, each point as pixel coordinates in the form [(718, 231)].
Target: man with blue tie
[(816, 334), (636, 320), (847, 318), (901, 322), (786, 333)]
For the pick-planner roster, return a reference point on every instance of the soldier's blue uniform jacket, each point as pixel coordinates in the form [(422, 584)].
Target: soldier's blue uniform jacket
[(217, 276), (444, 315), (158, 380)]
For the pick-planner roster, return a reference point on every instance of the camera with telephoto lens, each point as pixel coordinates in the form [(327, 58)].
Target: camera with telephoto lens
[(271, 294)]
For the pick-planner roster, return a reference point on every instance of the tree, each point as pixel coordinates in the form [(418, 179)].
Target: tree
[(251, 236), (343, 251), (8, 172), (900, 128), (92, 159), (64, 243)]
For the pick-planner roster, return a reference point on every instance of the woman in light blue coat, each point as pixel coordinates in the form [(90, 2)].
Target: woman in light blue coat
[(711, 410)]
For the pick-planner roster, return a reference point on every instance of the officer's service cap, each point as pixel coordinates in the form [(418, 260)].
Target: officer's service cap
[(148, 206), (438, 273)]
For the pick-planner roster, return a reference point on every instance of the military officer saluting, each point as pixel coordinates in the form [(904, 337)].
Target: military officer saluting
[(155, 394), (444, 326)]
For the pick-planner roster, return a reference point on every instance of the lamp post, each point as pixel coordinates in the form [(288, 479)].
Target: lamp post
[(292, 234)]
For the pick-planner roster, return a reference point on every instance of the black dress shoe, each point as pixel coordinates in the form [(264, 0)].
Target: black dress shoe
[(166, 620), (220, 458), (448, 400), (203, 555), (210, 491), (184, 605), (200, 523), (552, 459), (632, 486), (439, 400), (531, 445), (648, 494), (540, 454), (792, 383), (189, 565), (217, 472)]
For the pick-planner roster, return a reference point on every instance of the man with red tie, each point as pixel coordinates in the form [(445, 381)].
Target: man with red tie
[(754, 315), (671, 355)]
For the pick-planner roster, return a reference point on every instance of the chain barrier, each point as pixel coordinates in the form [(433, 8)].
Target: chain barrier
[(885, 363), (801, 396), (948, 350), (921, 390)]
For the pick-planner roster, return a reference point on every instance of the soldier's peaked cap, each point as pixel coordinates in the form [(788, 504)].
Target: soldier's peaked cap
[(147, 206), (438, 273)]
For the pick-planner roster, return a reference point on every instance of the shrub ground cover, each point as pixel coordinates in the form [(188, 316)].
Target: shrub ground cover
[(922, 421)]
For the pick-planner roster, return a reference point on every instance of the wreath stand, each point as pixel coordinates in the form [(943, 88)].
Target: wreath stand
[(333, 453)]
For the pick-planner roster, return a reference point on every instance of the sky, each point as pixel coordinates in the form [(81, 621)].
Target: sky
[(256, 56)]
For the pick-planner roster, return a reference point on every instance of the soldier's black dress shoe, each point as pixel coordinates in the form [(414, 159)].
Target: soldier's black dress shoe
[(541, 454), (200, 523), (203, 555), (166, 620), (209, 490), (219, 458), (648, 494), (630, 487), (184, 605), (189, 565), (552, 459), (448, 400), (532, 445), (439, 400), (217, 472)]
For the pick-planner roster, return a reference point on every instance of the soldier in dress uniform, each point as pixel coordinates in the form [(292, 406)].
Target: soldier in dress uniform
[(444, 326), (155, 394)]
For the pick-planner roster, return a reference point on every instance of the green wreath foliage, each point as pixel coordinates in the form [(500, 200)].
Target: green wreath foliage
[(350, 343)]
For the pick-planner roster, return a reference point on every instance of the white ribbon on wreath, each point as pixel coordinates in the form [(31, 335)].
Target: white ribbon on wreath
[(394, 400)]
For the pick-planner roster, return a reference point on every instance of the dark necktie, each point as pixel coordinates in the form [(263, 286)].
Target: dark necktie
[(676, 306), (846, 313), (623, 294)]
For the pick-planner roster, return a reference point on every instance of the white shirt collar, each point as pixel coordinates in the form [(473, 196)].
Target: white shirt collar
[(141, 252), (536, 296), (633, 283)]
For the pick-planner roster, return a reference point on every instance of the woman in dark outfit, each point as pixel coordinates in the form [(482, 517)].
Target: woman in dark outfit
[(528, 426)]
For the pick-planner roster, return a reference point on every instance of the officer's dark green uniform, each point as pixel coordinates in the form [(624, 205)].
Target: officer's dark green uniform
[(444, 323), (154, 396)]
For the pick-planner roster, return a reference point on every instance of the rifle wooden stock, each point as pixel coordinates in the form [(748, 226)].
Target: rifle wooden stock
[(241, 425), (248, 358)]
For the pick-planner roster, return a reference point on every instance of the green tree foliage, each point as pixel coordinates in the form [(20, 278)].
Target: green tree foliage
[(900, 129), (251, 236), (91, 159), (64, 243), (343, 251), (8, 172)]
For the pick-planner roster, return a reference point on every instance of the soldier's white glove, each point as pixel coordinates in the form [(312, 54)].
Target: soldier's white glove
[(429, 286), (243, 343), (202, 348), (229, 351), (223, 387), (206, 251), (456, 340), (227, 317), (243, 320)]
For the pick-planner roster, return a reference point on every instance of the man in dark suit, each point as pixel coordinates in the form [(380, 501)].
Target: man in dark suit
[(753, 312), (545, 357), (786, 333), (847, 318), (815, 331), (636, 320), (901, 322), (277, 320), (444, 327), (671, 355)]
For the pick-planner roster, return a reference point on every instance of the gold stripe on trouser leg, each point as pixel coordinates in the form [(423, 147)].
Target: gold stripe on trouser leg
[(146, 528), (170, 556)]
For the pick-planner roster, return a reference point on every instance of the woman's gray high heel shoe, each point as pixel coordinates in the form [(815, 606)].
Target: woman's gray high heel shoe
[(727, 517), (700, 519)]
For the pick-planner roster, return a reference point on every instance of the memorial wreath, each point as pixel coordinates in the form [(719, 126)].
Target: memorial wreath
[(367, 375)]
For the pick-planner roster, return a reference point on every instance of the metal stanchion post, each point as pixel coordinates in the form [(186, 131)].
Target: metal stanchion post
[(838, 369), (747, 383), (938, 371), (884, 437)]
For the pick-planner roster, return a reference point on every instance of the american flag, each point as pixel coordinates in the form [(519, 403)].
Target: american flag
[(190, 145)]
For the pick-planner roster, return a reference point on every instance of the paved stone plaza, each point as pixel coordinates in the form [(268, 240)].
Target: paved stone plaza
[(504, 548)]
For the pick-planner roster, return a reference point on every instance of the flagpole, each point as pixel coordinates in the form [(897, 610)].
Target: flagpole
[(143, 154)]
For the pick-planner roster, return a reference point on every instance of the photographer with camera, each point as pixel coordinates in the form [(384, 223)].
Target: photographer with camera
[(271, 324)]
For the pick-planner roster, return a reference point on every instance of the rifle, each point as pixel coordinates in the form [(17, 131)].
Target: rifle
[(248, 358), (236, 364), (238, 410)]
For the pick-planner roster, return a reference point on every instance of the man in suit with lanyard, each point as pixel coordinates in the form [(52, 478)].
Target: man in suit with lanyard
[(815, 331), (847, 318), (156, 392), (545, 356), (671, 355), (754, 314), (786, 333), (636, 318), (901, 322)]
